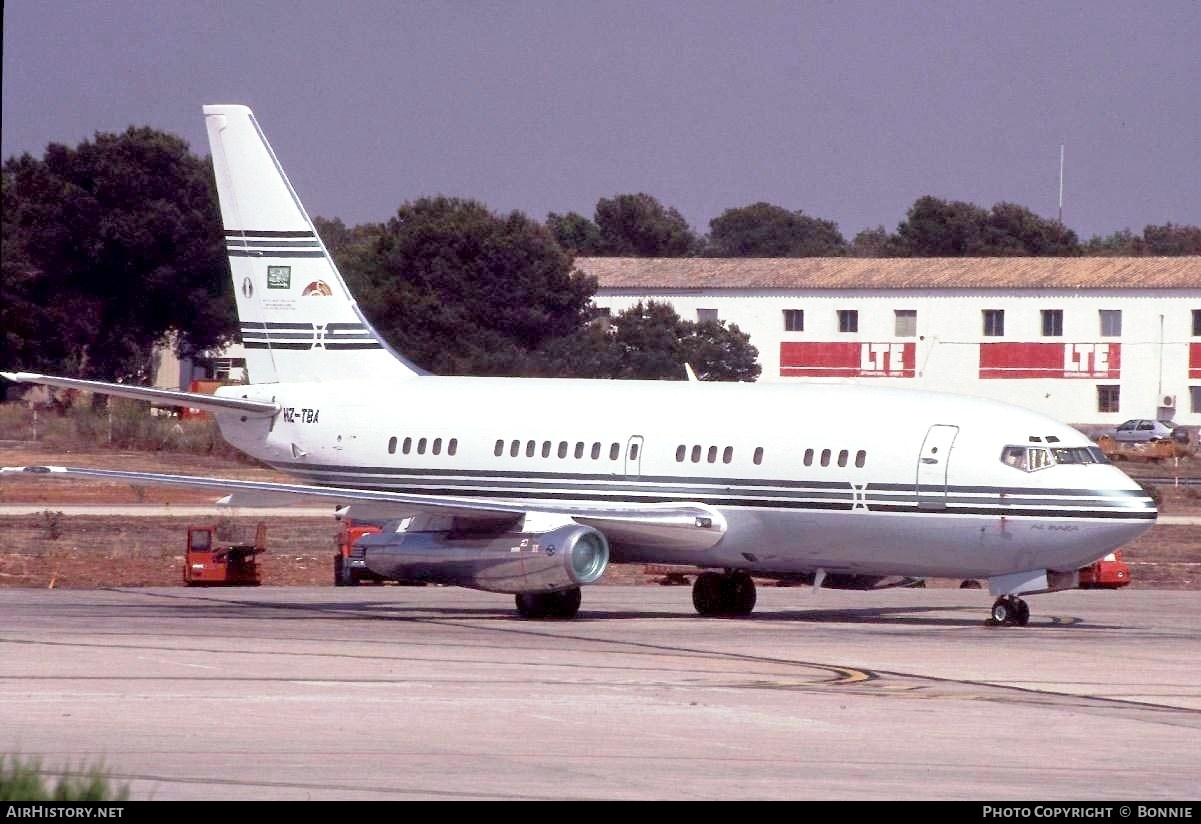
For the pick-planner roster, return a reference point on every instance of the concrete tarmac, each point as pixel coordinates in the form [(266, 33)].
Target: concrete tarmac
[(441, 693)]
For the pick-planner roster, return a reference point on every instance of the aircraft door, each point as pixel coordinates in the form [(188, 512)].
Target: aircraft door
[(932, 467), (634, 456)]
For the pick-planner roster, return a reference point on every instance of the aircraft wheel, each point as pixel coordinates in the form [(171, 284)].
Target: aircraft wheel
[(563, 604), (707, 594), (1010, 610), (739, 594)]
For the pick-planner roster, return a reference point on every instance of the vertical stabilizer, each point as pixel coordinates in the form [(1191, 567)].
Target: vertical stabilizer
[(299, 322)]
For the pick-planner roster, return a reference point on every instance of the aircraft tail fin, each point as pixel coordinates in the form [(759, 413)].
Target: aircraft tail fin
[(298, 320)]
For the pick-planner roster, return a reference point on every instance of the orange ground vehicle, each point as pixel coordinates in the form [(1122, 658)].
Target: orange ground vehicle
[(206, 564), (1110, 572), (346, 575)]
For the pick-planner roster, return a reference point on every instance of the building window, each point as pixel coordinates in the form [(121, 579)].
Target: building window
[(1194, 393), (906, 323), (994, 323), (1197, 323), (1052, 323), (1111, 323), (848, 320), (1109, 399), (706, 316), (794, 320)]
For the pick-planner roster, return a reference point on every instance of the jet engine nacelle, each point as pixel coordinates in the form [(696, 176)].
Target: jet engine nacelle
[(514, 562)]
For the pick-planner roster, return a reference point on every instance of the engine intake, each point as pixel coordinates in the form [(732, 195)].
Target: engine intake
[(515, 562)]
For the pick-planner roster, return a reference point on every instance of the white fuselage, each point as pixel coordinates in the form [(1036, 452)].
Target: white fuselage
[(836, 477)]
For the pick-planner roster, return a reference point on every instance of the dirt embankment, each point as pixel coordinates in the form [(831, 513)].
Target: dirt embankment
[(50, 549)]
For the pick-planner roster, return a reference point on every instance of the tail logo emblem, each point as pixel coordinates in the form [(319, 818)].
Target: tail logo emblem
[(317, 287)]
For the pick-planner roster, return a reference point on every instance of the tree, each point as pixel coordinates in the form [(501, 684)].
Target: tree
[(461, 290), (119, 241), (578, 235), (651, 342), (1168, 240), (639, 226), (765, 230), (939, 228), (870, 243)]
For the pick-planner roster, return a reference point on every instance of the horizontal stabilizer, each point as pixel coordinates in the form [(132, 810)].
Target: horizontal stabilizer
[(167, 397)]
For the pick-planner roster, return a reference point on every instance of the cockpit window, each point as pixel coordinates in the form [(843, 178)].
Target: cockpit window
[(1034, 458)]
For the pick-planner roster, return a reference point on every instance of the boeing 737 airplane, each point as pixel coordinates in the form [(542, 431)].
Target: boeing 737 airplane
[(532, 487)]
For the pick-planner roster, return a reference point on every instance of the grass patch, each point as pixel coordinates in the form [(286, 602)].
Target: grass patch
[(24, 780)]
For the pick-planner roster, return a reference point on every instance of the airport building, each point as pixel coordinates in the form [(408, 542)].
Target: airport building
[(1089, 340)]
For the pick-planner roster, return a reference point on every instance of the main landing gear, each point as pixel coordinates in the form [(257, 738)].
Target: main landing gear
[(1010, 610), (729, 595), (562, 604)]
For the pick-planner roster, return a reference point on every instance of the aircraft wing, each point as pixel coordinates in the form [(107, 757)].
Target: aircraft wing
[(172, 397), (675, 525)]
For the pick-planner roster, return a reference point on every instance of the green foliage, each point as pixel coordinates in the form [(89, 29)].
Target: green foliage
[(651, 342), (640, 226), (24, 780), (107, 248), (1168, 240), (461, 290), (765, 230), (940, 228), (52, 522), (576, 234)]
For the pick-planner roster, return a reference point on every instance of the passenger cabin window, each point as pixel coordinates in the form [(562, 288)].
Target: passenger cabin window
[(696, 454), (421, 446), (392, 445), (500, 449), (408, 446), (596, 448), (758, 458), (579, 450), (825, 457), (994, 323), (437, 446), (808, 457), (860, 458), (681, 451), (546, 445), (633, 452), (452, 447), (562, 449), (843, 455), (727, 455)]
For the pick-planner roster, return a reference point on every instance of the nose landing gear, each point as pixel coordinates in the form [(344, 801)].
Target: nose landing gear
[(1010, 610)]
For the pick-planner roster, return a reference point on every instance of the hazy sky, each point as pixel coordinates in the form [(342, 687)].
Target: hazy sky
[(848, 110)]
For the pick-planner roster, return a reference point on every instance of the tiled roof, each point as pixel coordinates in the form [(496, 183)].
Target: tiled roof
[(895, 273)]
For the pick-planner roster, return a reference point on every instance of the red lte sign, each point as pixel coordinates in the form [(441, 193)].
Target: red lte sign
[(1051, 360), (847, 360)]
